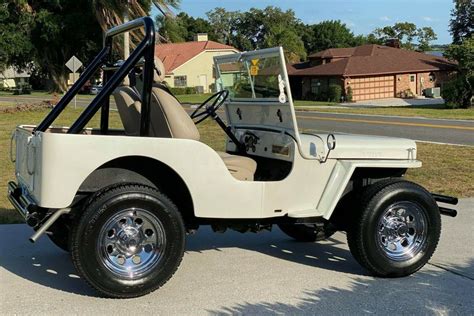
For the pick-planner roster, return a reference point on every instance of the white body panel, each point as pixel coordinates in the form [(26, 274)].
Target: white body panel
[(59, 163)]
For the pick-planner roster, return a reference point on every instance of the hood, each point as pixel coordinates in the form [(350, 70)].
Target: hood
[(373, 147), (364, 147)]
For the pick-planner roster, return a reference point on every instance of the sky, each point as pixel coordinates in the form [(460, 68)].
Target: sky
[(361, 16)]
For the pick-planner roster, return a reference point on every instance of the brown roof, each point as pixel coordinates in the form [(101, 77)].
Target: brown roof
[(176, 54), (376, 60), (333, 52)]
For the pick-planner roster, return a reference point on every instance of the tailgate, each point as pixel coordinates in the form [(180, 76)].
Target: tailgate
[(27, 146)]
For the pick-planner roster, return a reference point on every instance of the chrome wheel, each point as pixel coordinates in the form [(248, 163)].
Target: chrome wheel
[(131, 243), (402, 231)]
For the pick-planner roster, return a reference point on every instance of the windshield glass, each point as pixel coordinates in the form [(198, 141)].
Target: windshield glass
[(257, 78)]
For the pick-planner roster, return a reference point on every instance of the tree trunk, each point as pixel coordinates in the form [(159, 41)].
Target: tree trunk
[(60, 81)]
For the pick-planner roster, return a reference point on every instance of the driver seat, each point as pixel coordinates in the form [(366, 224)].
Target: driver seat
[(168, 119)]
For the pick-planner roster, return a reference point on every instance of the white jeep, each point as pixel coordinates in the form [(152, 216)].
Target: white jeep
[(122, 201)]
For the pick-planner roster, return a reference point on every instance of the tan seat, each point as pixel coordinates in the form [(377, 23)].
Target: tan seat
[(170, 120), (127, 101), (242, 168)]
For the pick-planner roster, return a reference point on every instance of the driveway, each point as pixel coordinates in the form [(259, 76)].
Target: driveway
[(395, 102), (234, 273)]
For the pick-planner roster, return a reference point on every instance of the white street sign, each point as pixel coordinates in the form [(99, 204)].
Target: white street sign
[(74, 64)]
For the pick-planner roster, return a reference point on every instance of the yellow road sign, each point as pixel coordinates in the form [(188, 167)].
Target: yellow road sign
[(254, 70)]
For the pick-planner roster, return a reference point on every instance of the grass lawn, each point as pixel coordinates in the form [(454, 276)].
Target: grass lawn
[(33, 93), (6, 104), (446, 169), (302, 103), (193, 98), (434, 111)]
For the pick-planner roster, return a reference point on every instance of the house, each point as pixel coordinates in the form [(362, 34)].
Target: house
[(191, 64), (12, 79), (371, 72)]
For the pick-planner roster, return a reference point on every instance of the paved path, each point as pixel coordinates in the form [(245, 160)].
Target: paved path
[(389, 102), (250, 274)]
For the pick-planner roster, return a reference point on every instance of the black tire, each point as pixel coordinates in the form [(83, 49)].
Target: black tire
[(366, 239), (103, 208), (59, 233), (308, 233)]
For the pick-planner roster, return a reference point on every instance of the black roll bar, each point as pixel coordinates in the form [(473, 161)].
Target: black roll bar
[(145, 49)]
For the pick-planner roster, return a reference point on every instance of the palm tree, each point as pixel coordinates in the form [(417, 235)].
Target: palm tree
[(115, 12)]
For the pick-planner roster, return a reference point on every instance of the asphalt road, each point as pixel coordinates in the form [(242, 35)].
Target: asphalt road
[(457, 132), (234, 273), (430, 130)]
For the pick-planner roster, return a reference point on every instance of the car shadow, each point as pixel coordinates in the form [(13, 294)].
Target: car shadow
[(330, 254), (43, 263)]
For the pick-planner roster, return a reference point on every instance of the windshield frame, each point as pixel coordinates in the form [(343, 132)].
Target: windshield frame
[(263, 102)]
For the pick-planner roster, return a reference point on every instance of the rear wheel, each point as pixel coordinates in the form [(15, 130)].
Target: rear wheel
[(129, 241), (396, 229)]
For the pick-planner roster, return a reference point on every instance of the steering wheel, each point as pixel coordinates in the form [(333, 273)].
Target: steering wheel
[(207, 109)]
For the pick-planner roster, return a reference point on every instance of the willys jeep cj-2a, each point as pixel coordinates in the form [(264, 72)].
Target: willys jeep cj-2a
[(122, 200)]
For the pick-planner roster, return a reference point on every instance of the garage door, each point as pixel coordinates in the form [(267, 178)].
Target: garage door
[(370, 88)]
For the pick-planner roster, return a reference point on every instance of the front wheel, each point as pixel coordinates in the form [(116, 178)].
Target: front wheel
[(396, 229), (129, 241)]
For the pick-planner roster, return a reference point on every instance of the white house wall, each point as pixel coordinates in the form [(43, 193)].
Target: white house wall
[(202, 64)]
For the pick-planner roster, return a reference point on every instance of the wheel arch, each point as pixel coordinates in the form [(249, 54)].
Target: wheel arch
[(349, 174), (143, 170), (360, 178)]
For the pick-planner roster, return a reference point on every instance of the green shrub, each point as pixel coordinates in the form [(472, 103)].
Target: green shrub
[(451, 94), (212, 88), (349, 94), (334, 93), (457, 94), (184, 90)]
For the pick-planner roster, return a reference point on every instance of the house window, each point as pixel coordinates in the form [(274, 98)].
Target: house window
[(180, 81), (412, 78), (315, 86), (432, 77)]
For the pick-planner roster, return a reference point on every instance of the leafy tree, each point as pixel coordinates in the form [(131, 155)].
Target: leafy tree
[(47, 36), (259, 28), (462, 22), (405, 32), (425, 36), (47, 33), (329, 34), (16, 48), (223, 23), (172, 29), (282, 36), (183, 27), (461, 90)]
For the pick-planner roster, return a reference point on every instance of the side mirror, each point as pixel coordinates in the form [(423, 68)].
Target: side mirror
[(331, 142)]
